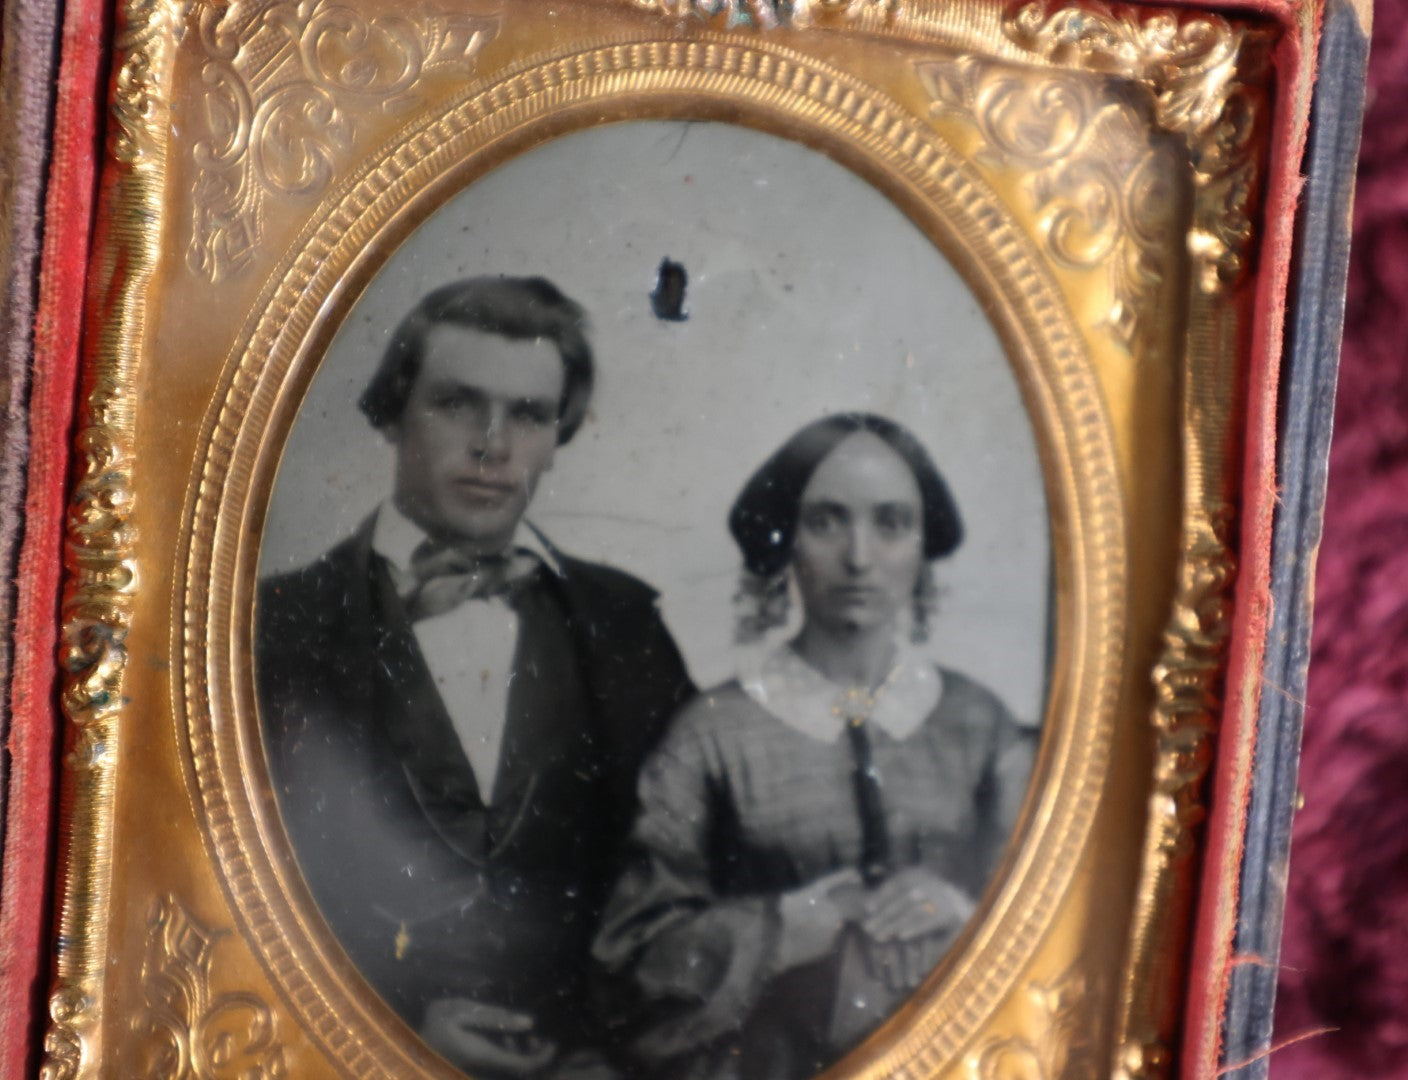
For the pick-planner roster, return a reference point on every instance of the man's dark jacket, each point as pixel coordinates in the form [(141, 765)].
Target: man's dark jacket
[(432, 892)]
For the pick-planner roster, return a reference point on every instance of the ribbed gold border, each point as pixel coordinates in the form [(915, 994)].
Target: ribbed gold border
[(713, 77)]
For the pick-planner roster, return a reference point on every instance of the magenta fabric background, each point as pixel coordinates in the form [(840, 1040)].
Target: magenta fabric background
[(1345, 957)]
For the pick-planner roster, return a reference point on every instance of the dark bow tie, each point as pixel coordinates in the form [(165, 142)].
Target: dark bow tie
[(445, 577)]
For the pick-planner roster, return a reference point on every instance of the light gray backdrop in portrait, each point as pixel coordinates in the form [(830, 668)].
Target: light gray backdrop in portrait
[(809, 293)]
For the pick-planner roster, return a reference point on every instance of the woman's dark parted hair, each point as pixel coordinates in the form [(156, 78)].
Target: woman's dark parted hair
[(517, 308), (764, 516)]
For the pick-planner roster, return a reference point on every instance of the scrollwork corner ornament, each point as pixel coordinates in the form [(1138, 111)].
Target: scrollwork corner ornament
[(284, 84), (1057, 1042), (1103, 192), (1203, 73), (186, 1032)]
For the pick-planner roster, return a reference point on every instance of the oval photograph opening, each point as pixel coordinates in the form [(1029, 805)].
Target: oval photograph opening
[(653, 627)]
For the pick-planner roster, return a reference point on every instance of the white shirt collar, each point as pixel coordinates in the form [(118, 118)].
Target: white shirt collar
[(796, 693), (395, 538)]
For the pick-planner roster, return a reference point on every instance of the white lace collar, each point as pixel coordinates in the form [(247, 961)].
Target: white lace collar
[(803, 698)]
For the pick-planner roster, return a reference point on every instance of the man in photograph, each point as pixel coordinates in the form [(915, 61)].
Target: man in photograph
[(456, 711)]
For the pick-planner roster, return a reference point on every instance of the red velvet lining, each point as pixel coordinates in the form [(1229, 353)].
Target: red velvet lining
[(1215, 919)]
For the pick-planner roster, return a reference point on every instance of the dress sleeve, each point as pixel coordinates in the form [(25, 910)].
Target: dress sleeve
[(692, 964), (1007, 750)]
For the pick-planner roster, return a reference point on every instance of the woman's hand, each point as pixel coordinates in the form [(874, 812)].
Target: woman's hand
[(904, 965), (912, 904), (812, 919), (476, 1037)]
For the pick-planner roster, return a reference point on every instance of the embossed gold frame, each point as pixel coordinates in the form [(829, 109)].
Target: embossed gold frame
[(1095, 173)]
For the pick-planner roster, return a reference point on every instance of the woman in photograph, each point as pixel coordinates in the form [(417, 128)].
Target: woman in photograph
[(814, 834)]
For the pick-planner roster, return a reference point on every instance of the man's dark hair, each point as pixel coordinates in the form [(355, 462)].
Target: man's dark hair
[(520, 309)]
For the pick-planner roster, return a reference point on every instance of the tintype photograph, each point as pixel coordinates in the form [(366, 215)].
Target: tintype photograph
[(654, 619)]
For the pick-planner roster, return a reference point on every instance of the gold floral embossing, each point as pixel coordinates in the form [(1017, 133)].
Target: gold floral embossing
[(63, 1046), (138, 105), (1200, 70), (769, 14), (1058, 1043), (1187, 703), (1202, 74), (1107, 196), (283, 86), (187, 1033), (100, 549)]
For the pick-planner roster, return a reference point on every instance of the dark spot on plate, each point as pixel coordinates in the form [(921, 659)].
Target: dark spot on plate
[(667, 301)]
